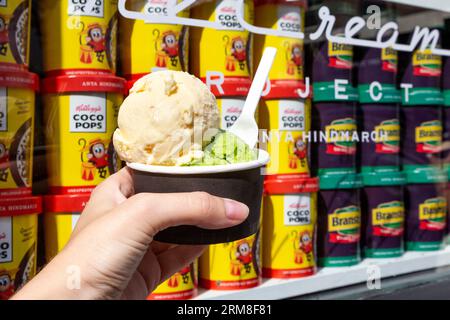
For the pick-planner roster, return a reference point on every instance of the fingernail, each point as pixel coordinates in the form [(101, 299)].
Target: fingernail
[(235, 210)]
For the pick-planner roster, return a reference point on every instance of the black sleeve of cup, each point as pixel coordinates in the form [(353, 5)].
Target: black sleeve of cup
[(243, 186)]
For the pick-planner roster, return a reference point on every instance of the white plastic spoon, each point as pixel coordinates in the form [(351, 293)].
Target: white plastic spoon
[(245, 126)]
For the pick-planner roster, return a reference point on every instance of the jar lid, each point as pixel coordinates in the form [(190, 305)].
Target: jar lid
[(384, 179), (21, 79), (428, 175), (290, 185), (340, 181), (83, 83), (66, 203), (20, 206), (299, 3)]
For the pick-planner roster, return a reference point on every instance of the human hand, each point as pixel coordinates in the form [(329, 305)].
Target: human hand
[(112, 245)]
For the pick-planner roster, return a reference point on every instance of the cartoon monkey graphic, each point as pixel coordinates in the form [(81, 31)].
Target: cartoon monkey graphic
[(4, 36), (244, 255), (4, 162), (6, 286), (98, 156), (170, 46), (185, 273), (96, 40), (238, 51), (306, 243), (300, 149)]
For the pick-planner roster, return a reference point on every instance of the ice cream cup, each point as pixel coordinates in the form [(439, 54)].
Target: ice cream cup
[(14, 34), (339, 220), (426, 210), (18, 242), (180, 286), (61, 215), (148, 47), (383, 212), (80, 113), (222, 58), (285, 122), (232, 265), (241, 182), (289, 228), (17, 106), (287, 73), (79, 36)]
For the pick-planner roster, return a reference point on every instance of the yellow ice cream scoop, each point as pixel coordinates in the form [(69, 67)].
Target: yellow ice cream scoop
[(164, 119)]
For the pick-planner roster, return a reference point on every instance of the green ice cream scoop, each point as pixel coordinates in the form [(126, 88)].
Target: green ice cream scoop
[(225, 148)]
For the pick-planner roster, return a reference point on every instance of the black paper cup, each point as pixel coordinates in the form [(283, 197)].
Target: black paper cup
[(242, 182)]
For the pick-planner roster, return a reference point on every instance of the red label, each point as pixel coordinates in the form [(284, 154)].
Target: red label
[(340, 150), (344, 238), (229, 285), (387, 232)]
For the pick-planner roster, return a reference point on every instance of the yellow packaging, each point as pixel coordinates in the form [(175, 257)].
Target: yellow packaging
[(288, 64), (285, 123), (61, 215), (147, 47), (81, 115), (18, 242), (222, 58), (181, 286), (79, 35), (231, 266), (17, 104), (289, 228), (14, 33)]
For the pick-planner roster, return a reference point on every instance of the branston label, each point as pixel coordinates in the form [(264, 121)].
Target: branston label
[(297, 210), (88, 113), (3, 110), (91, 8), (5, 239), (291, 115)]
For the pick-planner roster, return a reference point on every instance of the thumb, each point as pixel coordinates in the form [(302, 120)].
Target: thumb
[(151, 213)]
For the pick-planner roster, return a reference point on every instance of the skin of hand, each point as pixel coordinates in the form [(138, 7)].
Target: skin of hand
[(112, 245)]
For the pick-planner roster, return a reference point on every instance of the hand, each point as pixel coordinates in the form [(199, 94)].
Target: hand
[(112, 245)]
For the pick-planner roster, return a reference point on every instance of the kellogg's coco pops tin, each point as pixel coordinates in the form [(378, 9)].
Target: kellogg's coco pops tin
[(231, 266), (426, 208), (180, 286), (17, 107), (287, 73), (339, 220), (285, 123), (383, 212), (148, 47), (222, 58), (18, 242), (61, 215), (81, 116), (14, 34), (289, 227), (79, 36)]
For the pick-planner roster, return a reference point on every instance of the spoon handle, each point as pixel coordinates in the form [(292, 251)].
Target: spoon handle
[(256, 89)]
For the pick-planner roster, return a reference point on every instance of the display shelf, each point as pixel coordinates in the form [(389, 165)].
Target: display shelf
[(442, 5), (332, 278)]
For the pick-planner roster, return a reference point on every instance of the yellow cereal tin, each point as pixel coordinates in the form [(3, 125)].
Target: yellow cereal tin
[(181, 286), (61, 215), (14, 34), (222, 58), (148, 47), (17, 104), (287, 73), (231, 266), (285, 123), (289, 228), (18, 242), (81, 116), (79, 36)]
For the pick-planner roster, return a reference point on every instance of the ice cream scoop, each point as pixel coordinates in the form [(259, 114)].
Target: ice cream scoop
[(164, 119)]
